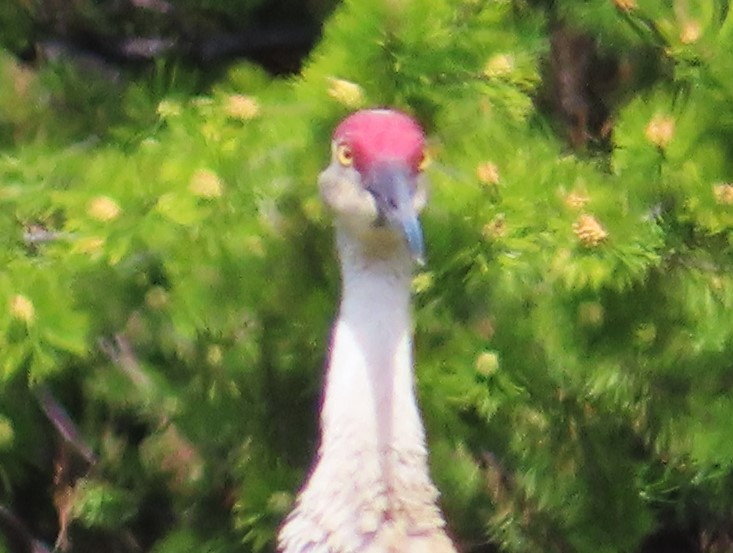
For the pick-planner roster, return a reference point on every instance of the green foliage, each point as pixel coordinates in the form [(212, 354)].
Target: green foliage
[(100, 505), (167, 268)]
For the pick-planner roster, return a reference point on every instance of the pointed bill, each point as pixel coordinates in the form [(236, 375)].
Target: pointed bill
[(393, 187)]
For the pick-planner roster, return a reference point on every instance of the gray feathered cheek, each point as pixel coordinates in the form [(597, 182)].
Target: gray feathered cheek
[(342, 192)]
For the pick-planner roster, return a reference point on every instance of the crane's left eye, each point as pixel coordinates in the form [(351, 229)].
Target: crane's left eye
[(344, 155), (425, 160)]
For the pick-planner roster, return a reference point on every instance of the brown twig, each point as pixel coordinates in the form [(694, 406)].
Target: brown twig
[(120, 353), (63, 424)]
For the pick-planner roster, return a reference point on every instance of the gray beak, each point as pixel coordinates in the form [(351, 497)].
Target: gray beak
[(393, 187)]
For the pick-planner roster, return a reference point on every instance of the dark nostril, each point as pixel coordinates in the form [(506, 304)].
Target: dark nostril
[(381, 199)]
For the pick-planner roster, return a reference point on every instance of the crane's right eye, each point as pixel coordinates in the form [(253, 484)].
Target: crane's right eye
[(344, 155)]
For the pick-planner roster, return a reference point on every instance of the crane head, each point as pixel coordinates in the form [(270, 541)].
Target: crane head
[(374, 183)]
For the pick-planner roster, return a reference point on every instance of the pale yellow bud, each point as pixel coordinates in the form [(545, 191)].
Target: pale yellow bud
[(576, 200), (589, 231), (103, 208), (496, 228), (691, 32), (214, 355), (242, 107), (206, 184), (7, 435), (156, 298), (22, 309), (203, 102), (499, 65), (716, 282), (280, 502), (723, 193), (487, 363), (422, 282), (625, 5), (168, 108), (347, 93), (313, 208), (89, 245), (591, 313), (646, 334), (488, 173), (660, 130)]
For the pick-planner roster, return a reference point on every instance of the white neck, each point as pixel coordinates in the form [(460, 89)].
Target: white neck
[(369, 387), (370, 488)]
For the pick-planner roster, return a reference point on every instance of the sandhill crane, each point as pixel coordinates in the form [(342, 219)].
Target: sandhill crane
[(370, 490)]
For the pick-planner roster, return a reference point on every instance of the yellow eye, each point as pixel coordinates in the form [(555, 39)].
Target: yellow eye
[(424, 161), (344, 155)]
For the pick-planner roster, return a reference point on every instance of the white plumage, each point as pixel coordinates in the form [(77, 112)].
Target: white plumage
[(370, 490)]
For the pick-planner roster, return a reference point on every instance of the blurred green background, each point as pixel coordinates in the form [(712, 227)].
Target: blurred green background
[(167, 275)]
